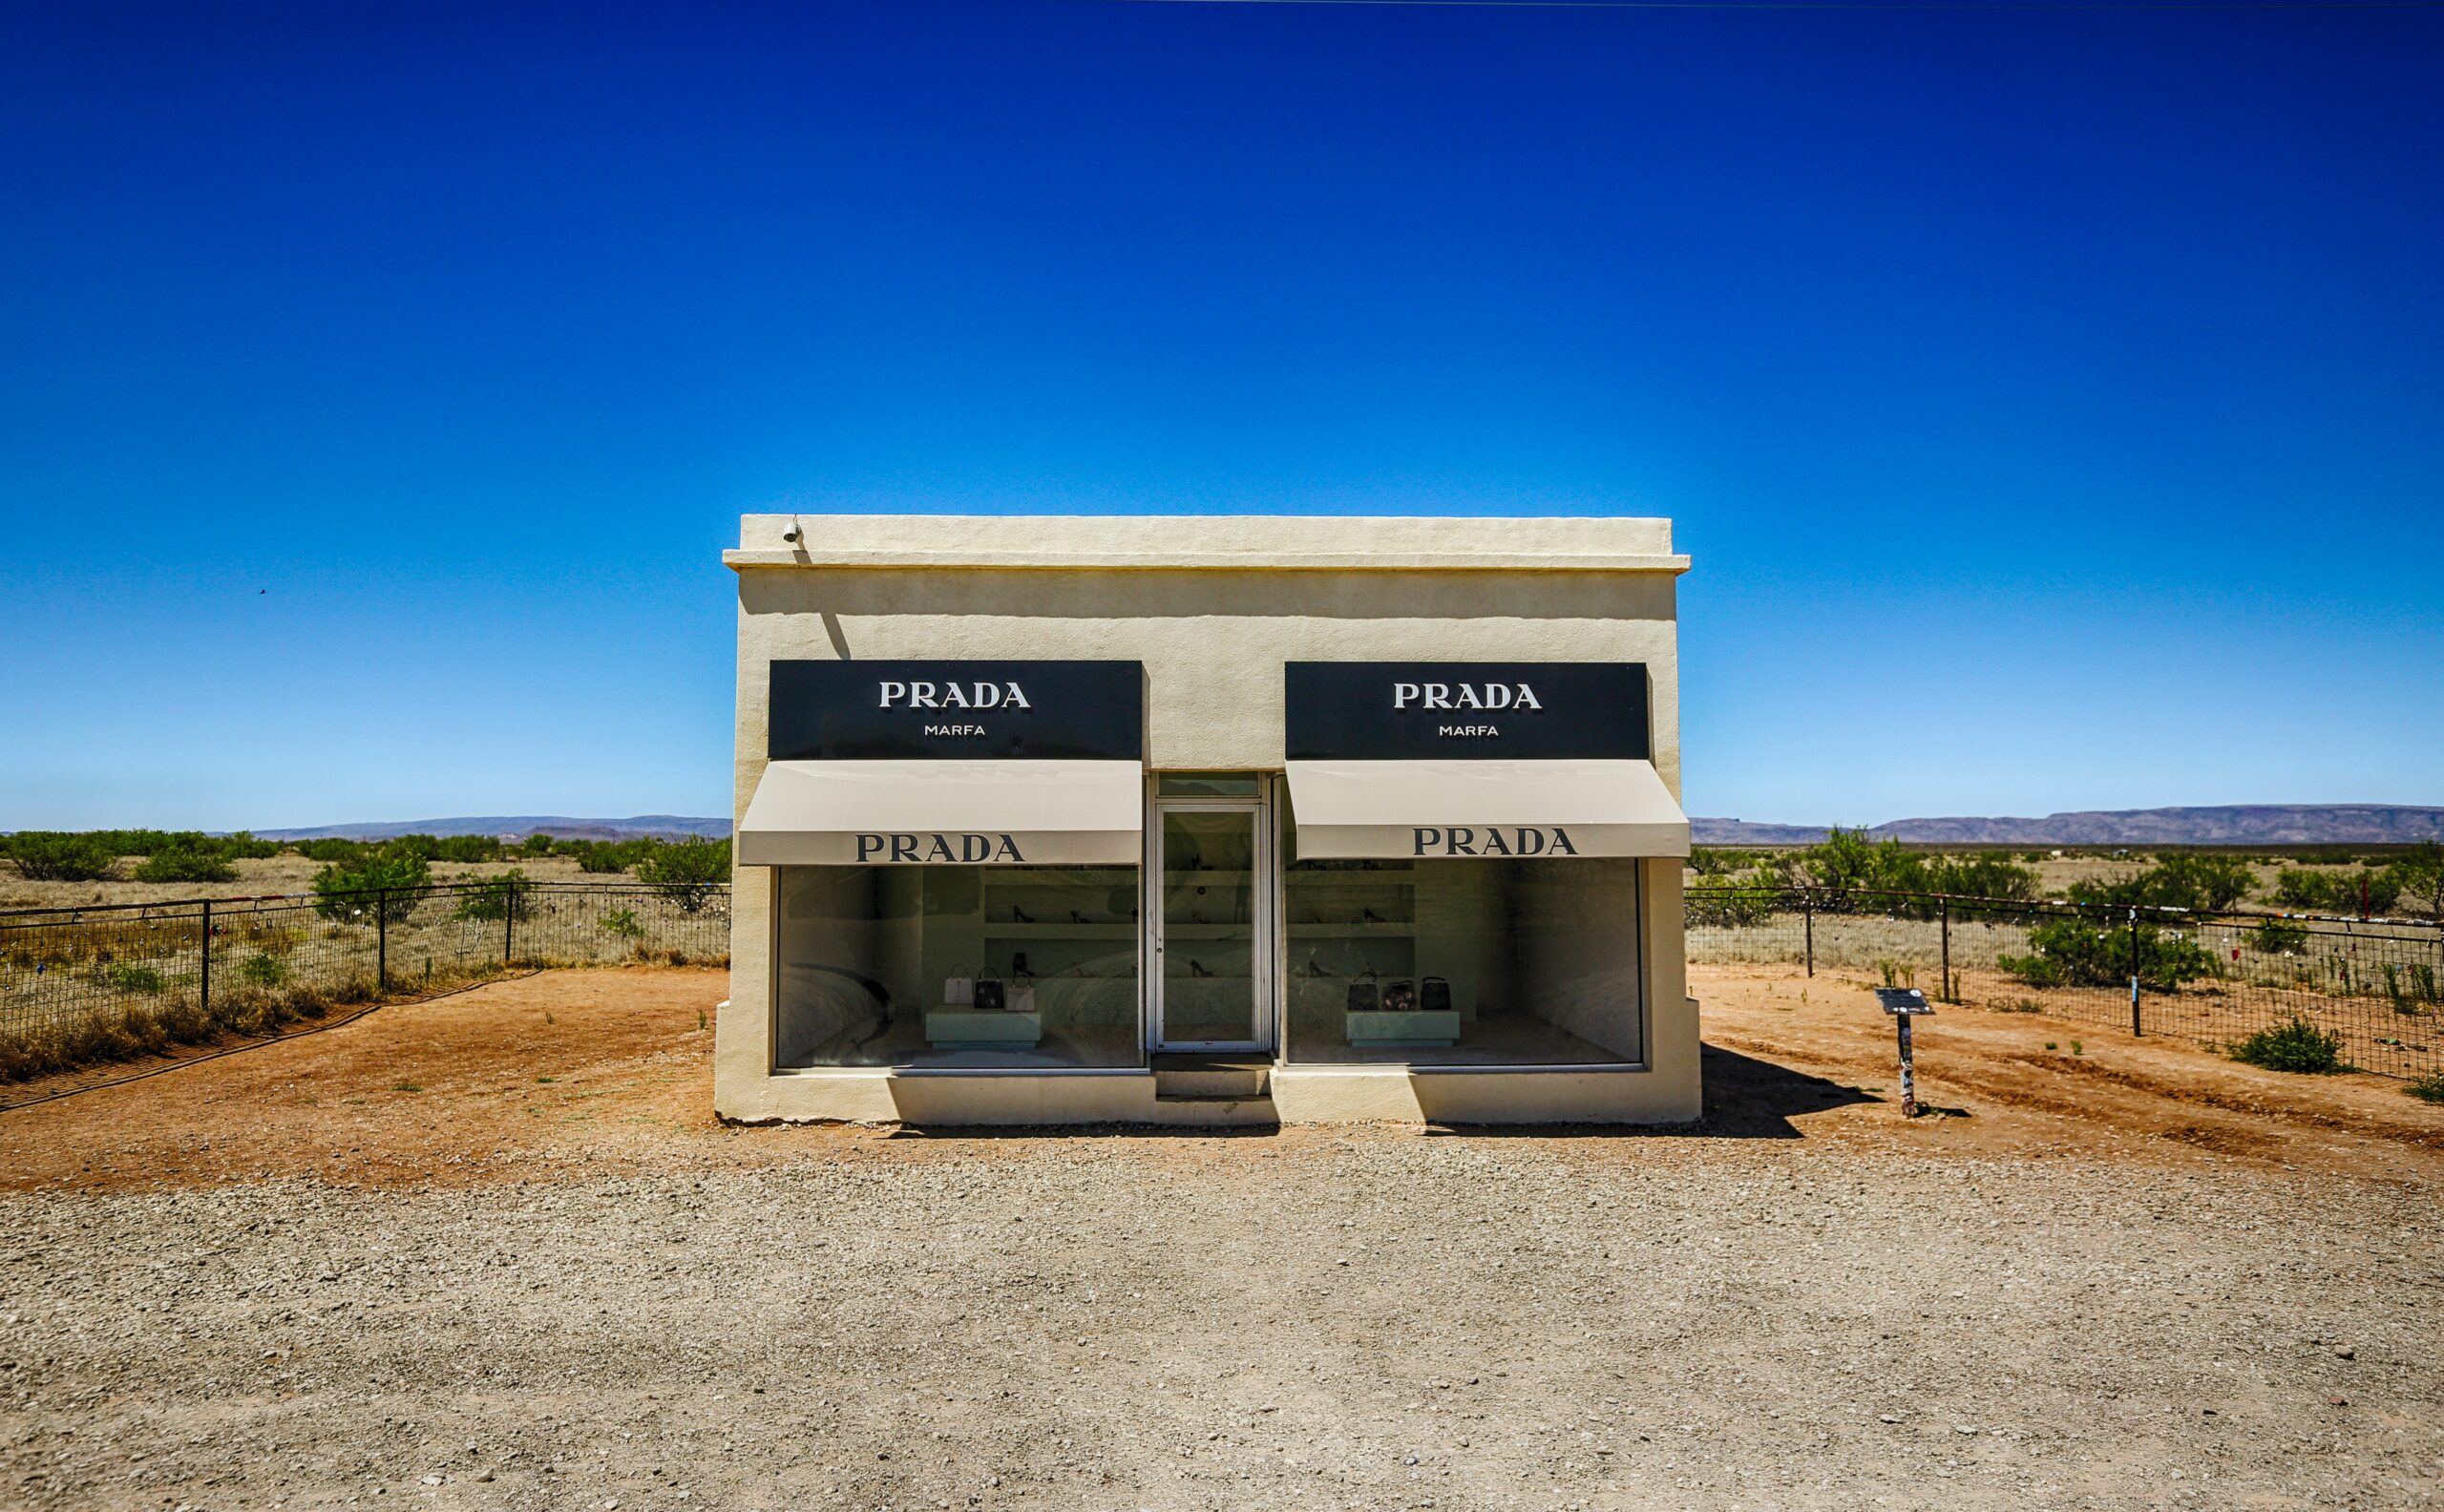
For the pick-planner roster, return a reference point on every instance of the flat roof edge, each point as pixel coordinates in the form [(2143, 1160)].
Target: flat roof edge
[(1216, 562)]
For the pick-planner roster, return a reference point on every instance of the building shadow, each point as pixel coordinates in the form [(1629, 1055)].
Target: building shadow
[(1745, 1097), (1751, 1099)]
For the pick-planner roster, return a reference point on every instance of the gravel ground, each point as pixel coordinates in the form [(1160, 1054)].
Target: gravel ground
[(1784, 1309)]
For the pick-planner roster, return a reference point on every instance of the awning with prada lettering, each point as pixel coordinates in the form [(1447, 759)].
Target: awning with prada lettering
[(965, 813), (1375, 810)]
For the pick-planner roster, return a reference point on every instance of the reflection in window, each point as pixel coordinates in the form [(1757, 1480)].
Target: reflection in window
[(1008, 966)]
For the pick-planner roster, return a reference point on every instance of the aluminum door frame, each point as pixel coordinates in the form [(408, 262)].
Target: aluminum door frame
[(1263, 908)]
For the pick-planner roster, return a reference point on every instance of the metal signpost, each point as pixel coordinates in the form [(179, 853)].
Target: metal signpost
[(1904, 1004)]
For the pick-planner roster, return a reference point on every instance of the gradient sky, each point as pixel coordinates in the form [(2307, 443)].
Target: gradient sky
[(2052, 401)]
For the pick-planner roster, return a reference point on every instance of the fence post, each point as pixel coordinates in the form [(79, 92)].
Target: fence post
[(2136, 1030), (508, 922), (382, 941), (1808, 902), (1947, 993), (204, 978)]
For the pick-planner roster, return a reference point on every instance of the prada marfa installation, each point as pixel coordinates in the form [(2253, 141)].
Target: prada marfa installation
[(1207, 820)]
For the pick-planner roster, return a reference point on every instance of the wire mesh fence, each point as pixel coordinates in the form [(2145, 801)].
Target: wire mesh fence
[(79, 984), (2215, 978)]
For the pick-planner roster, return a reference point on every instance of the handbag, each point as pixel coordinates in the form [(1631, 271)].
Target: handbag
[(988, 992), (1399, 996), (958, 992), (1023, 994), (1434, 994), (1362, 997)]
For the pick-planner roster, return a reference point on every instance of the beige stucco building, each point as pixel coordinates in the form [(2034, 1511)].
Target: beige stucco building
[(1218, 819)]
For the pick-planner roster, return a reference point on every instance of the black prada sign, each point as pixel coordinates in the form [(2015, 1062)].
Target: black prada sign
[(903, 710), (1427, 710)]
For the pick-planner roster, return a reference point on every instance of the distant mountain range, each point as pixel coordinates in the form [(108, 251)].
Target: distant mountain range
[(658, 827), (2225, 824), (2229, 824)]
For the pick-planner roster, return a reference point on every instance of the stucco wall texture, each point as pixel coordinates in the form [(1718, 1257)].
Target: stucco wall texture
[(1213, 606)]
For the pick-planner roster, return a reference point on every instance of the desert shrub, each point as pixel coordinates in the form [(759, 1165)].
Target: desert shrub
[(2276, 936), (466, 847), (2185, 880), (1988, 875), (1848, 861), (45, 855), (263, 970), (181, 862), (602, 857), (349, 889), (507, 896), (686, 873), (330, 850), (623, 923), (2418, 878), (2428, 1088), (1707, 861), (2328, 891), (243, 846), (536, 845), (2077, 952), (127, 977), (1731, 906), (2294, 1045)]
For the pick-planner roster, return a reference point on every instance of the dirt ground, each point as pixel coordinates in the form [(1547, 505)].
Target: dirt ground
[(491, 1250)]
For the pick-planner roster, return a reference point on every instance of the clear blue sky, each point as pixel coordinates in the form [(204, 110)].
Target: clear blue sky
[(2054, 402)]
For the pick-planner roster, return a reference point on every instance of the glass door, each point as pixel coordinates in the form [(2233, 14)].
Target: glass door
[(1212, 977)]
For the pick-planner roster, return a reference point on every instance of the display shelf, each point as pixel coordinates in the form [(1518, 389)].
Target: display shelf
[(1048, 929), (1397, 928)]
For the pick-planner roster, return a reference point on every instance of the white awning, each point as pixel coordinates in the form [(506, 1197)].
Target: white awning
[(944, 812), (1416, 809)]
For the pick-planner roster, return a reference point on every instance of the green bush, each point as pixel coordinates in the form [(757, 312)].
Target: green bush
[(2276, 936), (2293, 1045), (2078, 953), (348, 889), (2185, 880), (623, 923), (185, 863), (48, 855), (329, 850), (1987, 875), (2428, 1088), (243, 846), (506, 896), (1731, 906), (2418, 877), (602, 857), (466, 849), (1707, 861), (536, 845), (686, 873), (132, 978), (263, 970), (2315, 891)]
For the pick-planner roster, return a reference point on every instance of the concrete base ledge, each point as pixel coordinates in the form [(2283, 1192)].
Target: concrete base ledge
[(1400, 1094), (1298, 1094)]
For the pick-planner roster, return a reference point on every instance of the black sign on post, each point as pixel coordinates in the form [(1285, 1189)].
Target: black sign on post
[(1489, 710), (953, 710)]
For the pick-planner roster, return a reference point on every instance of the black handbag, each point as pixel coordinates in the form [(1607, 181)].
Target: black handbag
[(989, 998), (1434, 994), (1399, 996), (1362, 997)]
